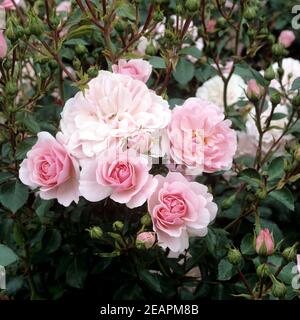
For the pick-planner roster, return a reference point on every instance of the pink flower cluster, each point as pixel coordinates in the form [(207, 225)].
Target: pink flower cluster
[(108, 143)]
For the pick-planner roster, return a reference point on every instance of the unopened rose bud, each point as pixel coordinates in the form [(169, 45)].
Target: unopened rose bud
[(263, 271), (118, 225), (36, 25), (264, 243), (250, 13), (95, 232), (269, 74), (254, 90), (275, 97), (192, 6), (11, 88), (145, 240), (286, 38), (92, 71), (80, 49), (151, 50), (290, 253), (158, 16), (261, 194), (146, 220), (296, 101), (297, 154), (279, 289), (234, 256), (279, 50)]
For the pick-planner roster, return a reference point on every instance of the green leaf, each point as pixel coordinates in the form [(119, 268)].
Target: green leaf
[(151, 280), (285, 197), (288, 273), (4, 176), (157, 62), (126, 11), (24, 147), (278, 116), (13, 195), (51, 241), (276, 168), (250, 176), (226, 270), (205, 72), (193, 51), (296, 84), (247, 245), (7, 256), (184, 71), (76, 274), (30, 123)]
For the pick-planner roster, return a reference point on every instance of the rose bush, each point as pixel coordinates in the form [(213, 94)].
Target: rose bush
[(149, 149)]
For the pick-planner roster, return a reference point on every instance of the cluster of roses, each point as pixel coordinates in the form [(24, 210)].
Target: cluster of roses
[(114, 131)]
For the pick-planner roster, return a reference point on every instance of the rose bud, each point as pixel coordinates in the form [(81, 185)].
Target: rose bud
[(254, 90), (145, 239), (286, 38), (264, 243)]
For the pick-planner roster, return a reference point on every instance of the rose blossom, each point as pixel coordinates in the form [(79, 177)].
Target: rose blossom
[(9, 5), (50, 168), (291, 68), (138, 69), (180, 209), (211, 26), (3, 45), (113, 108), (286, 38), (213, 90), (264, 243), (122, 175), (146, 238), (200, 137), (64, 6), (248, 141)]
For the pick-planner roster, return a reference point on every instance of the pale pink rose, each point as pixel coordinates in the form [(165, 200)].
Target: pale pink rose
[(64, 6), (146, 238), (138, 69), (3, 45), (113, 108), (211, 26), (254, 90), (286, 38), (264, 244), (49, 167), (200, 137), (180, 209), (121, 175), (298, 262), (9, 5)]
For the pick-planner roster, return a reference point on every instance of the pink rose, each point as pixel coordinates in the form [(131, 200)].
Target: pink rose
[(138, 69), (286, 38), (298, 262), (180, 209), (64, 6), (200, 138), (3, 45), (146, 238), (122, 175), (264, 244), (50, 168), (8, 4)]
